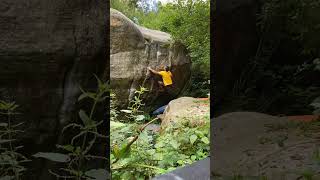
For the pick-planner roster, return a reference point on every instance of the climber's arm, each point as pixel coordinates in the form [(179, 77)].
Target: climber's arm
[(155, 72)]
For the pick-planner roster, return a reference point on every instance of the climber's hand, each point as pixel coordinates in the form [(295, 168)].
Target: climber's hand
[(153, 71)]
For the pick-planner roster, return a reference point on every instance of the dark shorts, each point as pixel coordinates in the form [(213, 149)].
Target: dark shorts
[(169, 89)]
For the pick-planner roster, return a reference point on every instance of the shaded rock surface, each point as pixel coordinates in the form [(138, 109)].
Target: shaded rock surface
[(49, 49), (186, 109), (133, 49), (255, 144)]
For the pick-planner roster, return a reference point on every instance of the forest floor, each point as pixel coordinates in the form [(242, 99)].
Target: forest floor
[(250, 145)]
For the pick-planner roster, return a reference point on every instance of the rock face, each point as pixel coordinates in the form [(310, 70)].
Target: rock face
[(235, 41), (193, 110), (255, 144), (49, 49), (133, 49)]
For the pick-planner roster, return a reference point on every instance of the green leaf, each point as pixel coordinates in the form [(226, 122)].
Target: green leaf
[(84, 117), (3, 124), (126, 111), (6, 140), (56, 157), (19, 124), (116, 151), (140, 117), (160, 171), (159, 145), (115, 125), (124, 162), (82, 96), (88, 94), (174, 144), (124, 151), (68, 147), (103, 98), (205, 140), (151, 151), (158, 156), (98, 80), (78, 150), (97, 174), (180, 162), (83, 92), (91, 95), (193, 138)]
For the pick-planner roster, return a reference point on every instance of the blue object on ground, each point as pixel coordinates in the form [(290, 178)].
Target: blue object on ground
[(159, 110), (199, 170)]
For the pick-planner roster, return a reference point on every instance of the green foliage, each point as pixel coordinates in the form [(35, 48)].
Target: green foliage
[(11, 166), (280, 78), (189, 145), (294, 19), (141, 154), (113, 108), (77, 152), (197, 87), (307, 175), (134, 111), (189, 23), (127, 7)]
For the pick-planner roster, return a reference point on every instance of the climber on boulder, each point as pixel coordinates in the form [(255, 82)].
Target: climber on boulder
[(166, 75)]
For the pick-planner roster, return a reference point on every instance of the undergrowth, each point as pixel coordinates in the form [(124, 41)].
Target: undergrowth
[(77, 152), (139, 153), (11, 161)]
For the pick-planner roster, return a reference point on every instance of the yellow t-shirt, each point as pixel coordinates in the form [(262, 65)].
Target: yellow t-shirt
[(166, 77)]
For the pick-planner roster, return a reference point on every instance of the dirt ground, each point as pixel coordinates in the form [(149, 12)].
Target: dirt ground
[(249, 145)]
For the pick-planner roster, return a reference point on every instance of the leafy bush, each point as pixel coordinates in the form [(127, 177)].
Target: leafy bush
[(189, 145), (127, 7), (189, 23), (134, 111), (282, 76), (142, 154), (11, 160), (295, 19), (77, 152)]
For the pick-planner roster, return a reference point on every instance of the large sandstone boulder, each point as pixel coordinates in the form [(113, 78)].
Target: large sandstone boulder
[(49, 49), (255, 144), (195, 112), (133, 49)]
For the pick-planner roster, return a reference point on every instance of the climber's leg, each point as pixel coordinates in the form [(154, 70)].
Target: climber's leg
[(161, 86)]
